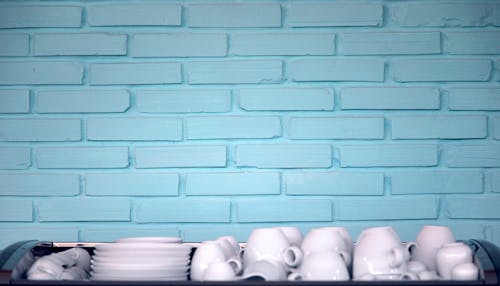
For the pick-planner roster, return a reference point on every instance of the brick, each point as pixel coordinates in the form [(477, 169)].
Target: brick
[(337, 70), (180, 156), (39, 184), (283, 156), (41, 73), (472, 207), (132, 184), (497, 70), (473, 156), (81, 44), (474, 98), (286, 99), (445, 14), (414, 207), (83, 209), (143, 14), (496, 127), (134, 129), (470, 43), (40, 129), (389, 155), (15, 158), (14, 101), (282, 44), (325, 14), (233, 127), (337, 127), (39, 16), (16, 210), (12, 234), (229, 15), (14, 44), (172, 101), (235, 71), (415, 70), (279, 210), (135, 73), (494, 181), (232, 184), (182, 210), (439, 127), (82, 101), (436, 182), (110, 234), (82, 157), (391, 43), (426, 98), (335, 183), (178, 45)]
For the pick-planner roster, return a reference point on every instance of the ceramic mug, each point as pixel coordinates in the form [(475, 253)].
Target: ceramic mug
[(344, 234), (465, 272), (321, 266), (271, 244), (429, 240), (206, 254), (379, 252), (450, 255), (326, 240), (219, 271)]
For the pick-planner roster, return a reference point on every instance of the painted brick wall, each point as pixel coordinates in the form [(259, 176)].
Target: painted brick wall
[(207, 118)]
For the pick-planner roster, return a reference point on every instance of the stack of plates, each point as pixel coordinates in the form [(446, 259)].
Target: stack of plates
[(141, 259)]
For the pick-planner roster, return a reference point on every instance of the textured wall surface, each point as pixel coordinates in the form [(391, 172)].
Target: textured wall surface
[(207, 118)]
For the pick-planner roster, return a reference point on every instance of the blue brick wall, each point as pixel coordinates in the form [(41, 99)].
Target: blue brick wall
[(208, 118)]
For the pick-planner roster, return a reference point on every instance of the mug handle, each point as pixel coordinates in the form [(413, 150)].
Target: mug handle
[(235, 264), (295, 276), (396, 257), (346, 257), (410, 247), (292, 256)]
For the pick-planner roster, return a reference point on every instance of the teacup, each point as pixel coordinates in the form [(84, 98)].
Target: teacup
[(465, 272), (234, 243), (270, 244), (416, 267), (321, 266), (429, 240), (206, 254), (379, 252), (326, 240), (428, 275), (450, 255), (219, 271), (267, 270)]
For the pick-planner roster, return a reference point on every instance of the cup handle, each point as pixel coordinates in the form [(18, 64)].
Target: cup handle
[(396, 257), (235, 264), (292, 256), (410, 247), (295, 276)]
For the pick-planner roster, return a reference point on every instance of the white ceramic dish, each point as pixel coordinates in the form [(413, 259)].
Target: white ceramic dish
[(142, 246), (139, 263), (139, 267), (150, 239)]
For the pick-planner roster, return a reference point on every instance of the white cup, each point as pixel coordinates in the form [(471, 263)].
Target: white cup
[(206, 254), (344, 234), (321, 266), (219, 271), (428, 275), (270, 244), (267, 270), (450, 255), (234, 243), (51, 267), (293, 234), (429, 240), (465, 272), (326, 240), (379, 252)]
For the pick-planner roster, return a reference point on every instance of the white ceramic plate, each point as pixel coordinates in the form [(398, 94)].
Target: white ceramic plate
[(140, 263), (143, 246), (142, 273), (126, 267), (139, 278), (150, 239)]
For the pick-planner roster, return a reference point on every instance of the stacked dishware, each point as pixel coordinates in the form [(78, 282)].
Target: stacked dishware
[(142, 259)]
